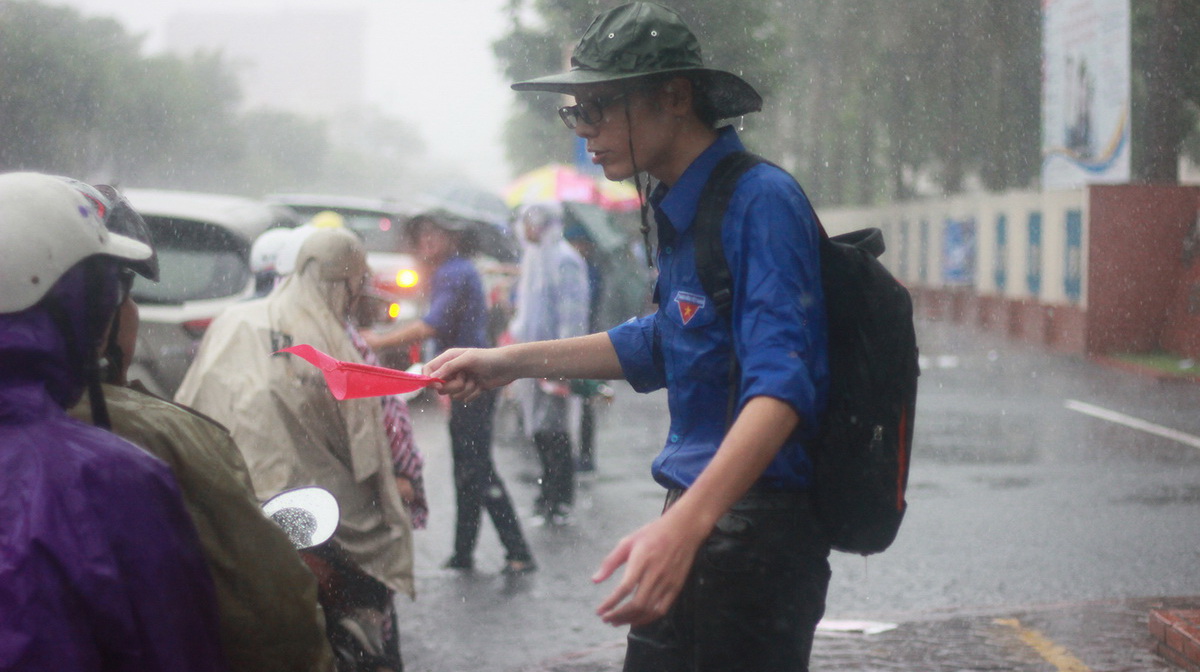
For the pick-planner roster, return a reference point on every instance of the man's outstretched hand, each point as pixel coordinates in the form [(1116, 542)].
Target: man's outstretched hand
[(469, 372)]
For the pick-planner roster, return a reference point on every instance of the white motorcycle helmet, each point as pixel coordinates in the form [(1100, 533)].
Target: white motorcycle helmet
[(46, 227), (264, 253)]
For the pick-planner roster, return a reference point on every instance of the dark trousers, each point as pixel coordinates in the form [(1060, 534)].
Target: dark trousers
[(477, 485), (558, 470), (753, 598), (587, 432)]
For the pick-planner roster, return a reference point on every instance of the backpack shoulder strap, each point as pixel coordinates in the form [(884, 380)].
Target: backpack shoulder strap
[(711, 264)]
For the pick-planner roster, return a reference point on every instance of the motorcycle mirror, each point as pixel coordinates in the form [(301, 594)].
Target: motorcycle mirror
[(308, 515)]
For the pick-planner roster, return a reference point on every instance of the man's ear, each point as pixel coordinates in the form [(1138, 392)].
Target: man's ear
[(677, 96)]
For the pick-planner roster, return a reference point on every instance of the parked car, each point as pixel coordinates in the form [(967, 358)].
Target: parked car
[(381, 225), (203, 243)]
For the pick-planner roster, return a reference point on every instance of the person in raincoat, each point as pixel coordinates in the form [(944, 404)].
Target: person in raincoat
[(293, 433), (100, 565), (552, 303), (273, 258), (591, 392), (266, 595)]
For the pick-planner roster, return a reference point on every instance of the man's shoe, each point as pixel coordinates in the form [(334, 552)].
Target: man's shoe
[(560, 516), (460, 564), (518, 567)]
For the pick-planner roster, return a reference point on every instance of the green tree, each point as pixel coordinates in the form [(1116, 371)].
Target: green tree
[(77, 97), (1166, 85), (173, 124), (54, 86)]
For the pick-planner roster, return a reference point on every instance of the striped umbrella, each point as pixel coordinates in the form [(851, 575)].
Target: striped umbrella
[(556, 182)]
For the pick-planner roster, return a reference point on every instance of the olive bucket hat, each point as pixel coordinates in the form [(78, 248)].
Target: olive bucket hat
[(640, 39)]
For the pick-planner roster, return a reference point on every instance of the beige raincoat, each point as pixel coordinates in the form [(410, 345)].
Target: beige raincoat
[(288, 426)]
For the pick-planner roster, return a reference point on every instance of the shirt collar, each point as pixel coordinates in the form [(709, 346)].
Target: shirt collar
[(679, 202)]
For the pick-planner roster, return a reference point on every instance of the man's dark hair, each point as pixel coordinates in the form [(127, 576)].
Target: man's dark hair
[(702, 105)]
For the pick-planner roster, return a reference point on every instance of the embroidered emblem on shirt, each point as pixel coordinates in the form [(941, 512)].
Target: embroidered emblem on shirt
[(689, 304)]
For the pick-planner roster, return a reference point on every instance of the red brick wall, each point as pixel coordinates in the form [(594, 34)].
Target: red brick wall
[(1182, 332), (1135, 240)]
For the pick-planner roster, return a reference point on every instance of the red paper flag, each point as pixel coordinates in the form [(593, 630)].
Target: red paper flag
[(347, 380)]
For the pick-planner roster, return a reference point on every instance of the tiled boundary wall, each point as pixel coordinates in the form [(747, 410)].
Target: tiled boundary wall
[(1094, 271)]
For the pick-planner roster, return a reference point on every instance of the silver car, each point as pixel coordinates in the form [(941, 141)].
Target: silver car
[(381, 225), (203, 243)]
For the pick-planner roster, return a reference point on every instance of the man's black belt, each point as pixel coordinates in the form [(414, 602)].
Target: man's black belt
[(758, 498)]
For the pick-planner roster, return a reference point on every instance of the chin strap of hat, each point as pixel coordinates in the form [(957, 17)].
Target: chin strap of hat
[(114, 356), (643, 191), (91, 363)]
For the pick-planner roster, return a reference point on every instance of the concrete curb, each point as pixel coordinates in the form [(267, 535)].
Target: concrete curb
[(1177, 636)]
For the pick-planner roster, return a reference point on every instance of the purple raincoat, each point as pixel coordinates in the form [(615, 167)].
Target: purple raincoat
[(100, 567)]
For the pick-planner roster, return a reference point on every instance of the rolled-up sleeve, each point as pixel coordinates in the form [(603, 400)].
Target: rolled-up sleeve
[(636, 345), (778, 304)]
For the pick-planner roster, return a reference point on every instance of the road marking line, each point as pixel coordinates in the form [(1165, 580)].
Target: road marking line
[(1052, 653), (1135, 423)]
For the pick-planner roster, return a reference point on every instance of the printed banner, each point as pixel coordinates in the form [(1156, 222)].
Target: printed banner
[(1085, 92)]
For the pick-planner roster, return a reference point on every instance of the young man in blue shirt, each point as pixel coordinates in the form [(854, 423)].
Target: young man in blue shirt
[(733, 575)]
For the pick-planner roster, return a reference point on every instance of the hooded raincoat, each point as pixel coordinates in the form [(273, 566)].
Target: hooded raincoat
[(290, 429), (270, 620), (100, 567), (552, 302)]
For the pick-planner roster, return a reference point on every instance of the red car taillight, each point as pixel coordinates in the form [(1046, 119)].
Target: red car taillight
[(196, 328)]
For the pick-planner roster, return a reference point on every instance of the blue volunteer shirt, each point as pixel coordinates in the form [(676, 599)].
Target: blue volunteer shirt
[(457, 309), (771, 242)]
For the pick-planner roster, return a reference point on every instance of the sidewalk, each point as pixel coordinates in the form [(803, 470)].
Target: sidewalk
[(1087, 637)]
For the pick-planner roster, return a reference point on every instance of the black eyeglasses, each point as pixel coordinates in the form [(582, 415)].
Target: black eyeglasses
[(590, 112)]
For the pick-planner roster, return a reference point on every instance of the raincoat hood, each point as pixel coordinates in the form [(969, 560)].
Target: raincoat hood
[(50, 343)]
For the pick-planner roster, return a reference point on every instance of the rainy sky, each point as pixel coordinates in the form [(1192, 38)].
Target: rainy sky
[(434, 51)]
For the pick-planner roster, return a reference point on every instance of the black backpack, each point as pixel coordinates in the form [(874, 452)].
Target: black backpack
[(861, 457)]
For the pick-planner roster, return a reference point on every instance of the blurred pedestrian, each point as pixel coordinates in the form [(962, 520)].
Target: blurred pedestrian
[(552, 303), (733, 575), (293, 433), (266, 596), (457, 317), (102, 568), (589, 391)]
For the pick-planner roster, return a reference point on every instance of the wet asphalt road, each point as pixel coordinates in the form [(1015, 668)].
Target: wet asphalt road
[(1025, 515)]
